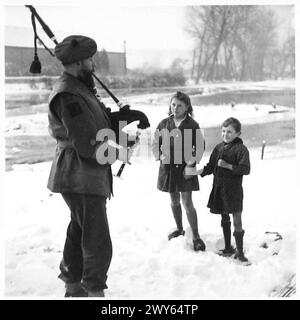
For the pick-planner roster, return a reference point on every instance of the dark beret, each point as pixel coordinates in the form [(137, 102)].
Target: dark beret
[(75, 48)]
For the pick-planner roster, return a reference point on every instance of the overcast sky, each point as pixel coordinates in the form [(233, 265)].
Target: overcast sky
[(151, 26), (143, 27), (154, 27)]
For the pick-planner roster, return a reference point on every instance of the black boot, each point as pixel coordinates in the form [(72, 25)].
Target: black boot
[(239, 245), (177, 213), (75, 290), (228, 250), (99, 294)]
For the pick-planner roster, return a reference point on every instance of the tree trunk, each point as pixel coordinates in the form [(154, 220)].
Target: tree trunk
[(200, 55), (220, 39), (193, 64)]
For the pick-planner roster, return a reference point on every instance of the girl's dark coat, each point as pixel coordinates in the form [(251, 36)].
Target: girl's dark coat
[(170, 176), (227, 192)]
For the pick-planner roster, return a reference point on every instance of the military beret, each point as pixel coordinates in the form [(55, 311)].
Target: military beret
[(75, 48)]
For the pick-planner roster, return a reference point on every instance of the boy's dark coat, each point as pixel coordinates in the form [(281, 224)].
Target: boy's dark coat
[(227, 192)]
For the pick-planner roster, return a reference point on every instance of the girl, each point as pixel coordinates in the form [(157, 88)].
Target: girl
[(228, 163), (175, 138)]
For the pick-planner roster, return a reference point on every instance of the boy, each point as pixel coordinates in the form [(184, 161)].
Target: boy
[(228, 163)]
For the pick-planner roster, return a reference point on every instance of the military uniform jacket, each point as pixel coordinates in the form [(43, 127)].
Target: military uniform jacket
[(75, 116), (227, 192), (170, 175)]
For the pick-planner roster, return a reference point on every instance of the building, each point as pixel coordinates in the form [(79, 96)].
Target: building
[(19, 59)]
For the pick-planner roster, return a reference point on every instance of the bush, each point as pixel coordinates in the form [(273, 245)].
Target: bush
[(163, 78)]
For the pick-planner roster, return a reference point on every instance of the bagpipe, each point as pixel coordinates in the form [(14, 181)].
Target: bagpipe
[(125, 114)]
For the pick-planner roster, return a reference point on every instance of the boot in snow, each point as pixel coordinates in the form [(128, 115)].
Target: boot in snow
[(199, 245), (99, 294), (239, 245), (176, 234), (75, 290), (228, 250)]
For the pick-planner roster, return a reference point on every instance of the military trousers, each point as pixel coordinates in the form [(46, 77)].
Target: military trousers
[(88, 248)]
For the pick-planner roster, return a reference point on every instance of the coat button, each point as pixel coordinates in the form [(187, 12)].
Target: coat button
[(92, 142), (177, 166)]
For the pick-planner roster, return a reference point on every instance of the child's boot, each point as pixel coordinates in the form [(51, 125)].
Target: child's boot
[(228, 250), (199, 244), (177, 213), (239, 245)]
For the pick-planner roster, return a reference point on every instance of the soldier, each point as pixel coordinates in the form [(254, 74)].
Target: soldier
[(78, 172)]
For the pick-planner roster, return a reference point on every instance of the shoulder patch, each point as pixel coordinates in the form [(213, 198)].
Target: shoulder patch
[(74, 109)]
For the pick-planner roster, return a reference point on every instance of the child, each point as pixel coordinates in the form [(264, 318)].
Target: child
[(228, 163), (171, 172)]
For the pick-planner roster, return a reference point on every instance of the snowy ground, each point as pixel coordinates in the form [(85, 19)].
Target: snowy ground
[(145, 264)]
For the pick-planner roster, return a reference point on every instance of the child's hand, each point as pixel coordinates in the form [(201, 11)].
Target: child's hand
[(199, 171), (189, 172), (223, 164)]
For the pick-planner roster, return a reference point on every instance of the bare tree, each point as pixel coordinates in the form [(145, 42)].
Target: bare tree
[(262, 41), (288, 57), (197, 29), (236, 42), (219, 28)]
